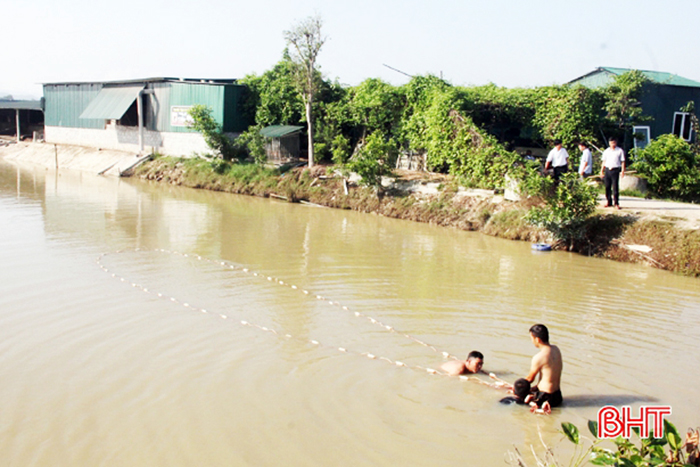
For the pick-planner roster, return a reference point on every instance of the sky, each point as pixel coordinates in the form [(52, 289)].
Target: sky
[(511, 43)]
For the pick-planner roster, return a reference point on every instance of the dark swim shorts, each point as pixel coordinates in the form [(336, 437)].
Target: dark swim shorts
[(555, 399)]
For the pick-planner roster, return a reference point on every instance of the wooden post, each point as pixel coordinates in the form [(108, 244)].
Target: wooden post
[(17, 119), (55, 149), (139, 112)]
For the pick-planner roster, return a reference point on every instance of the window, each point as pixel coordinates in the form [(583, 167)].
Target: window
[(682, 125), (642, 136)]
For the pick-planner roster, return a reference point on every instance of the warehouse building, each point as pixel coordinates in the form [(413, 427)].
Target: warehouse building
[(141, 116)]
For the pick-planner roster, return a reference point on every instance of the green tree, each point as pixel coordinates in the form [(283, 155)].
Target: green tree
[(375, 105), (277, 99), (306, 41), (622, 103), (566, 208)]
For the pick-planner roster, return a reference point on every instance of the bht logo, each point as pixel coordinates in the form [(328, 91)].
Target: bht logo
[(614, 422)]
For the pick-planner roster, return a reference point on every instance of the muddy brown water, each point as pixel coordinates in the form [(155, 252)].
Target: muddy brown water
[(97, 372)]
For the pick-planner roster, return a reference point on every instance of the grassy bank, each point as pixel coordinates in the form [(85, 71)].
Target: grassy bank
[(610, 235)]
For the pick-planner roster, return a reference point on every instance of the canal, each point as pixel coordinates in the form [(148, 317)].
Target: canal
[(151, 325)]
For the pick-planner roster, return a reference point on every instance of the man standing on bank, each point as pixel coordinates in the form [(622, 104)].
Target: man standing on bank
[(548, 364), (612, 169), (557, 158), (585, 167)]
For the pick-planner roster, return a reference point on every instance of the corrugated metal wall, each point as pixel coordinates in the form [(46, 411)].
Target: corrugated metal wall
[(181, 94), (65, 102), (234, 120)]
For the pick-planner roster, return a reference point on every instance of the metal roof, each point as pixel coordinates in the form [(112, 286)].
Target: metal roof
[(152, 80), (658, 77), (112, 102), (30, 105), (277, 131)]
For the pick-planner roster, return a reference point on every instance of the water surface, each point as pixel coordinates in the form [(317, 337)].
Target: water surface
[(97, 372)]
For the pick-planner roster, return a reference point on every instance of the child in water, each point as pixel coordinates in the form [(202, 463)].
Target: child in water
[(521, 393), (522, 396)]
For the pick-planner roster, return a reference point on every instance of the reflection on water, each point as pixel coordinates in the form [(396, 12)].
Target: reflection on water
[(97, 372)]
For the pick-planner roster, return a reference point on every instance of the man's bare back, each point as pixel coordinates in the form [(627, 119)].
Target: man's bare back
[(548, 364), (473, 364)]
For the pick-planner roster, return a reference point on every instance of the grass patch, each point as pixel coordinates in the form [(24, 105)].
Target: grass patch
[(511, 224)]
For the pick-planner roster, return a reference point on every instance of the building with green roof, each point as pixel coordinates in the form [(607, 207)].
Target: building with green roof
[(140, 115), (663, 97)]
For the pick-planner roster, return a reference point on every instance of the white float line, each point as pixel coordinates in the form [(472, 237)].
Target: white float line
[(311, 341), (294, 287)]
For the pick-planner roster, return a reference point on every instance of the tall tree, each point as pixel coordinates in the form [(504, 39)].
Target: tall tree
[(306, 41)]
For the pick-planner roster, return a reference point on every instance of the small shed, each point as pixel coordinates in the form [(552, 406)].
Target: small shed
[(21, 117), (662, 99), (282, 142)]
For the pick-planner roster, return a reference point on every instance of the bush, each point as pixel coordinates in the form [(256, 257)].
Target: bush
[(671, 168), (252, 143), (568, 206), (204, 122), (374, 159)]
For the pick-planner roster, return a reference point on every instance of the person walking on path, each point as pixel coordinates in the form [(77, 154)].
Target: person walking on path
[(557, 158), (585, 167), (612, 169)]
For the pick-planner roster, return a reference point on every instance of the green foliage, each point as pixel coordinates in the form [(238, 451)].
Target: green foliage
[(375, 105), (643, 452), (374, 159), (341, 149), (671, 167), (433, 124), (670, 450), (466, 131), (253, 143), (567, 113), (622, 99), (531, 182), (566, 209), (212, 132), (277, 99)]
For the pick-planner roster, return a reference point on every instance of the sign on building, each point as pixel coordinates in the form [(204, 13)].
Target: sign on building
[(179, 115)]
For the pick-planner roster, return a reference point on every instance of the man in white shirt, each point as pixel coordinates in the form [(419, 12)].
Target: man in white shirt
[(557, 158), (612, 169), (585, 167)]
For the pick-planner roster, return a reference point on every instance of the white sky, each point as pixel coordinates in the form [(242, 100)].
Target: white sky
[(507, 42)]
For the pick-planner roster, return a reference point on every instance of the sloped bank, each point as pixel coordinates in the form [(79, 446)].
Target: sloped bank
[(624, 238)]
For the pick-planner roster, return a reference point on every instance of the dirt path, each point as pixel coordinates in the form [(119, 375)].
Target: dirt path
[(684, 215)]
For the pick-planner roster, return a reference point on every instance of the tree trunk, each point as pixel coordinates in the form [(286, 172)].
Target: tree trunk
[(310, 123)]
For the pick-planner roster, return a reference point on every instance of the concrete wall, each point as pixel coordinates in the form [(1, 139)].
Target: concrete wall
[(127, 139)]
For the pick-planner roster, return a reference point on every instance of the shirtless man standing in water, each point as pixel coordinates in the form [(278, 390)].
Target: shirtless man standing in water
[(548, 365)]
